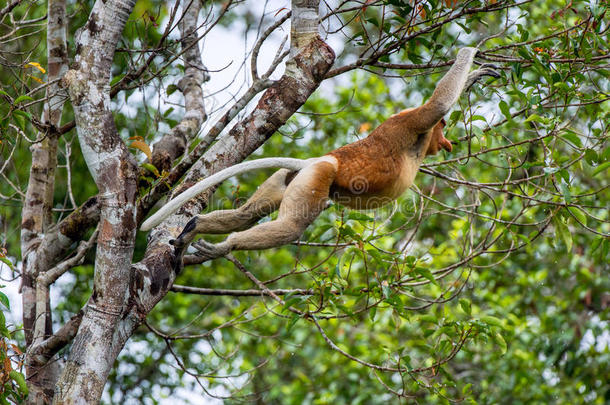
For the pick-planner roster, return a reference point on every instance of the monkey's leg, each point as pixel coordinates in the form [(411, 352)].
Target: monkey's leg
[(305, 197), (265, 200)]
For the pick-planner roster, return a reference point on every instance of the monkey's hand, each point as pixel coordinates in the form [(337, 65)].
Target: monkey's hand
[(209, 251), (486, 69)]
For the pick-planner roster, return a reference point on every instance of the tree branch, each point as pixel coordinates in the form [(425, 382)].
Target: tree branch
[(39, 354), (172, 145), (237, 293)]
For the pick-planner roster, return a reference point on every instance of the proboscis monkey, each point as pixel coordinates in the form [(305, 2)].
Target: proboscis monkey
[(364, 174)]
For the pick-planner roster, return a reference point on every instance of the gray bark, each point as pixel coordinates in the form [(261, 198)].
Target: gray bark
[(37, 215), (115, 172)]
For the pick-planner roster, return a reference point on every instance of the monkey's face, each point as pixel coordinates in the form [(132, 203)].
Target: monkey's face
[(438, 140)]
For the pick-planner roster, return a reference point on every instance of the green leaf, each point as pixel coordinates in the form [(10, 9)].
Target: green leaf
[(562, 86), (292, 322), (372, 313), (524, 33), (573, 138), (505, 110), (537, 118), (151, 168), (290, 302), (591, 156), (6, 261), (564, 232), (524, 53), (499, 340), (4, 300), (596, 244), (22, 99), (373, 21), (524, 238), (565, 190), (171, 89), (601, 168), (455, 116), (116, 79), (374, 253), (424, 272), (465, 304), (359, 216), (19, 120), (20, 380), (491, 320), (5, 331), (340, 266), (428, 318), (347, 230), (578, 214), (516, 72), (23, 114), (406, 360)]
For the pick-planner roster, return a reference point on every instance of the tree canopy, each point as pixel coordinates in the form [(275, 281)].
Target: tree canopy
[(486, 282)]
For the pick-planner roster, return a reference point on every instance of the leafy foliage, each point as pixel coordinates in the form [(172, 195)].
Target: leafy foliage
[(486, 282), (13, 386)]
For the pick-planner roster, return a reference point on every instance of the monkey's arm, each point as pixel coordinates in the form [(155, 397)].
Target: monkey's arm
[(451, 86), (173, 205)]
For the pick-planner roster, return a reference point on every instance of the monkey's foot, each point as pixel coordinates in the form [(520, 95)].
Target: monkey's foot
[(209, 251), (178, 243), (187, 234)]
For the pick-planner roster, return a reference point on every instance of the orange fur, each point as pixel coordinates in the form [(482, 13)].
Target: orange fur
[(376, 170)]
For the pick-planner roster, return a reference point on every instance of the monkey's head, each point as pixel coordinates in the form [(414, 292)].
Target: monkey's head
[(438, 140)]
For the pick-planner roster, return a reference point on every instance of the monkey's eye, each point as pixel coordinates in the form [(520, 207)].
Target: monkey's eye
[(443, 122)]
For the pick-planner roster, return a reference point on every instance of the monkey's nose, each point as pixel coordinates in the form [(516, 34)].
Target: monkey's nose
[(444, 142)]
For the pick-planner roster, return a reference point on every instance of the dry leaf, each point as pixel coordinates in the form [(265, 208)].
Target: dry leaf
[(143, 146), (364, 127), (35, 65)]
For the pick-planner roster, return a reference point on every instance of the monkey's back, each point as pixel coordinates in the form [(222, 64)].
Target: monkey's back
[(370, 173)]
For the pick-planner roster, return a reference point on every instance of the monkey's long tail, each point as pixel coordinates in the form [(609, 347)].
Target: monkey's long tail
[(173, 205)]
